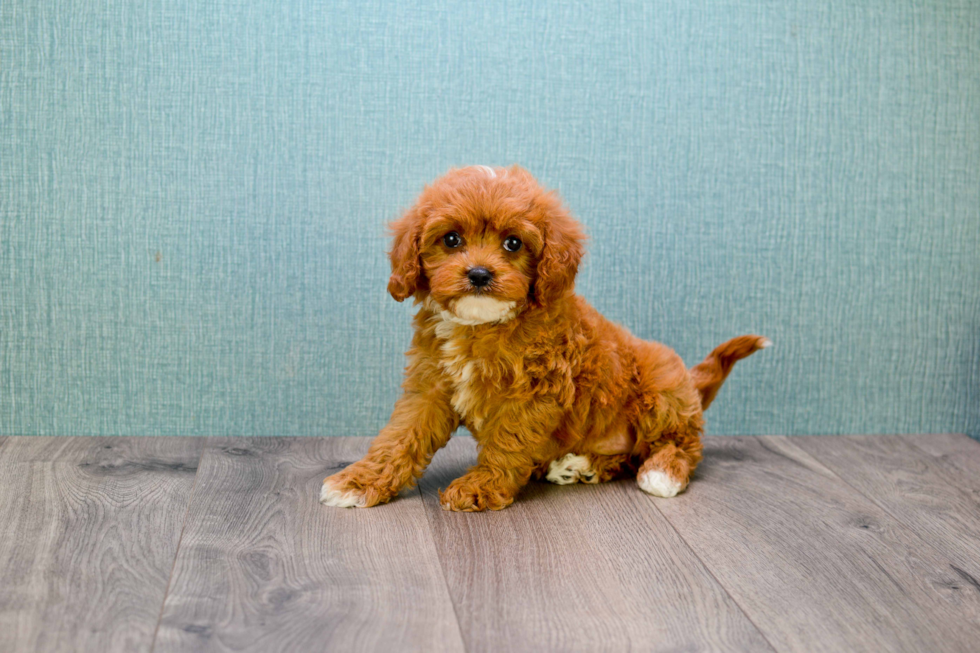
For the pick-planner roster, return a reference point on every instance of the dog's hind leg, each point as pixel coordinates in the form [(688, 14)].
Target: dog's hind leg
[(667, 470), (668, 429), (669, 446), (588, 468)]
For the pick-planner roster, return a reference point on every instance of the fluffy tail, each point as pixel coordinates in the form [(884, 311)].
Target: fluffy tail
[(710, 373)]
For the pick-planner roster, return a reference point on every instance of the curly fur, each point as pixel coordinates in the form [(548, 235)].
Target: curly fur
[(530, 368)]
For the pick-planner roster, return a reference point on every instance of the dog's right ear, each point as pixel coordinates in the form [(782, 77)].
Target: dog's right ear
[(406, 266)]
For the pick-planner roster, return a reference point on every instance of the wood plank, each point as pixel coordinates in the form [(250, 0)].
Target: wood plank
[(815, 565), (88, 534), (914, 488), (264, 567), (582, 567), (956, 453)]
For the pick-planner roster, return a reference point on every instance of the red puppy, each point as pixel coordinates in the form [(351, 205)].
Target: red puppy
[(503, 346)]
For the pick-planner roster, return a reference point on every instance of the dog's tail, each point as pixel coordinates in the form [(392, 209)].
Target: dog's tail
[(710, 373)]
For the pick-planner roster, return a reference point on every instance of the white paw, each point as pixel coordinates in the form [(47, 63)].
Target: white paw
[(336, 498), (659, 484), (570, 469)]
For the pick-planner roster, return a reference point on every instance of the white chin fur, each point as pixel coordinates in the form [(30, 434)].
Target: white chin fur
[(658, 484), (338, 499), (473, 309)]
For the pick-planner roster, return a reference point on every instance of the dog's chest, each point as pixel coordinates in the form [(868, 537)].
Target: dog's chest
[(465, 372)]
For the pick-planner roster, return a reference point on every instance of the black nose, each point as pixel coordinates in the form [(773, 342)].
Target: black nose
[(479, 277)]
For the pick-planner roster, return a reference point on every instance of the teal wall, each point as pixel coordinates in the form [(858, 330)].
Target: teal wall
[(193, 197)]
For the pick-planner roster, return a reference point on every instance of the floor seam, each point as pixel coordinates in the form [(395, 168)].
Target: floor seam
[(715, 578), (180, 541), (963, 477), (442, 570), (898, 520), (912, 439)]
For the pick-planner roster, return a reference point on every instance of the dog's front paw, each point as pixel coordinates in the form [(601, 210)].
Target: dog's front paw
[(470, 495), (352, 488), (334, 494)]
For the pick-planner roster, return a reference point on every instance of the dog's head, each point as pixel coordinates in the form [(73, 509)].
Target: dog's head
[(482, 242)]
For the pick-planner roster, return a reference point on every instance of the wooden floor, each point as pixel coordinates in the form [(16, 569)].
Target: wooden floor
[(787, 544)]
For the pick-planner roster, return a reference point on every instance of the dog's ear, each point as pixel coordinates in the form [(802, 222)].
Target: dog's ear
[(406, 266), (562, 251)]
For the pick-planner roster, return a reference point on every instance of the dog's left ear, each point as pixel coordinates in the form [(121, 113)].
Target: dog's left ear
[(406, 267), (562, 251)]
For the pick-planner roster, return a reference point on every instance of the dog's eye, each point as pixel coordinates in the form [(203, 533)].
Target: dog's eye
[(512, 244), (452, 239)]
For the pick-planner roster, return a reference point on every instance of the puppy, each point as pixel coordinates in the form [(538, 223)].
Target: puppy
[(503, 346)]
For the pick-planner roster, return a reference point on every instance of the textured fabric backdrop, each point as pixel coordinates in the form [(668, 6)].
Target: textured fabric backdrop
[(193, 197)]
